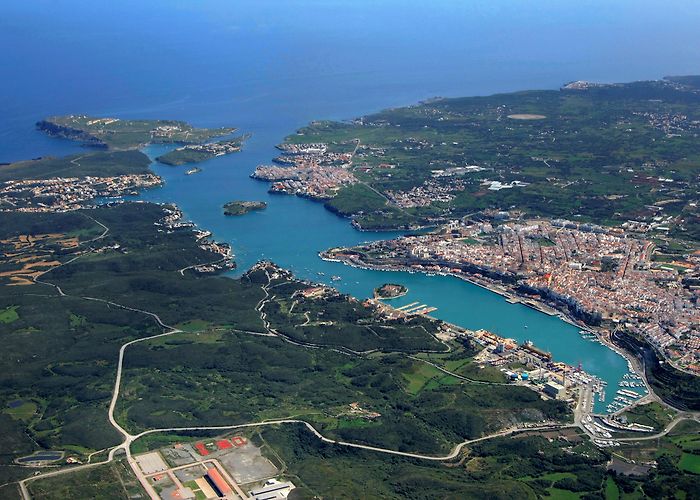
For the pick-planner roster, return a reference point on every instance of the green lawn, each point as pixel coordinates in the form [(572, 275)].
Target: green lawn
[(194, 325), (612, 491), (23, 412), (690, 463), (418, 377), (556, 476), (558, 494), (435, 383), (198, 494), (687, 442), (9, 315)]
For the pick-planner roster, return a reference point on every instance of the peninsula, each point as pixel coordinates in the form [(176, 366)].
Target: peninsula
[(115, 133), (243, 207), (605, 153), (73, 182), (113, 275), (195, 153), (139, 346)]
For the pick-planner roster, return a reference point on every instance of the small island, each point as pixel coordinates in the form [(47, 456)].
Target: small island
[(243, 207), (390, 291), (195, 153)]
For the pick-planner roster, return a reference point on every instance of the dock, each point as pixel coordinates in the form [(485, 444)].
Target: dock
[(407, 306), (413, 309), (427, 310), (629, 394)]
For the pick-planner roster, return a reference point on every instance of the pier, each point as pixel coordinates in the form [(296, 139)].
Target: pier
[(414, 308), (407, 306)]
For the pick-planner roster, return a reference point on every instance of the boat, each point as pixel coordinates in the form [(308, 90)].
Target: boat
[(336, 278), (194, 170)]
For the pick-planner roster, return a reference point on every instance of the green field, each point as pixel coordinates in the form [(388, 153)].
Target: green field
[(25, 411), (9, 314), (560, 494), (690, 463), (420, 375), (612, 491), (460, 362)]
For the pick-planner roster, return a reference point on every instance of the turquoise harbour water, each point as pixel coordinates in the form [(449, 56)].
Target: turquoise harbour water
[(269, 67), (292, 230)]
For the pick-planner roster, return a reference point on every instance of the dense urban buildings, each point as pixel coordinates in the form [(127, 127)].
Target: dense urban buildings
[(602, 275)]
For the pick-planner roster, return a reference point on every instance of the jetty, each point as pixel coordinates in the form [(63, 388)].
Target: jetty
[(407, 306)]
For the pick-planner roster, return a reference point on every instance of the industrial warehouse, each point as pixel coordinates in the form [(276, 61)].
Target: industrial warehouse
[(229, 467)]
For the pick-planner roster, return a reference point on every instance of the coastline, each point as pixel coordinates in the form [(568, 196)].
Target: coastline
[(513, 297), (402, 294), (510, 296)]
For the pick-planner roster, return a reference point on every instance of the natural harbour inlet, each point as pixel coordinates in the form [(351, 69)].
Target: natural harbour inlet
[(467, 304), (264, 250)]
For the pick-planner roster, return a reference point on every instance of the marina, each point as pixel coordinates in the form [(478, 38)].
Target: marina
[(293, 230), (192, 341), (455, 300)]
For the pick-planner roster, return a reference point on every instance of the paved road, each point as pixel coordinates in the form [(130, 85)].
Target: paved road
[(130, 438), (214, 262), (438, 458), (669, 428)]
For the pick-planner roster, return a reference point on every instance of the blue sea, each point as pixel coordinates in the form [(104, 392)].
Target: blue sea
[(269, 67)]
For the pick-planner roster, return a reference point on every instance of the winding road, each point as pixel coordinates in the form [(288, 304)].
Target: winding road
[(129, 438)]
